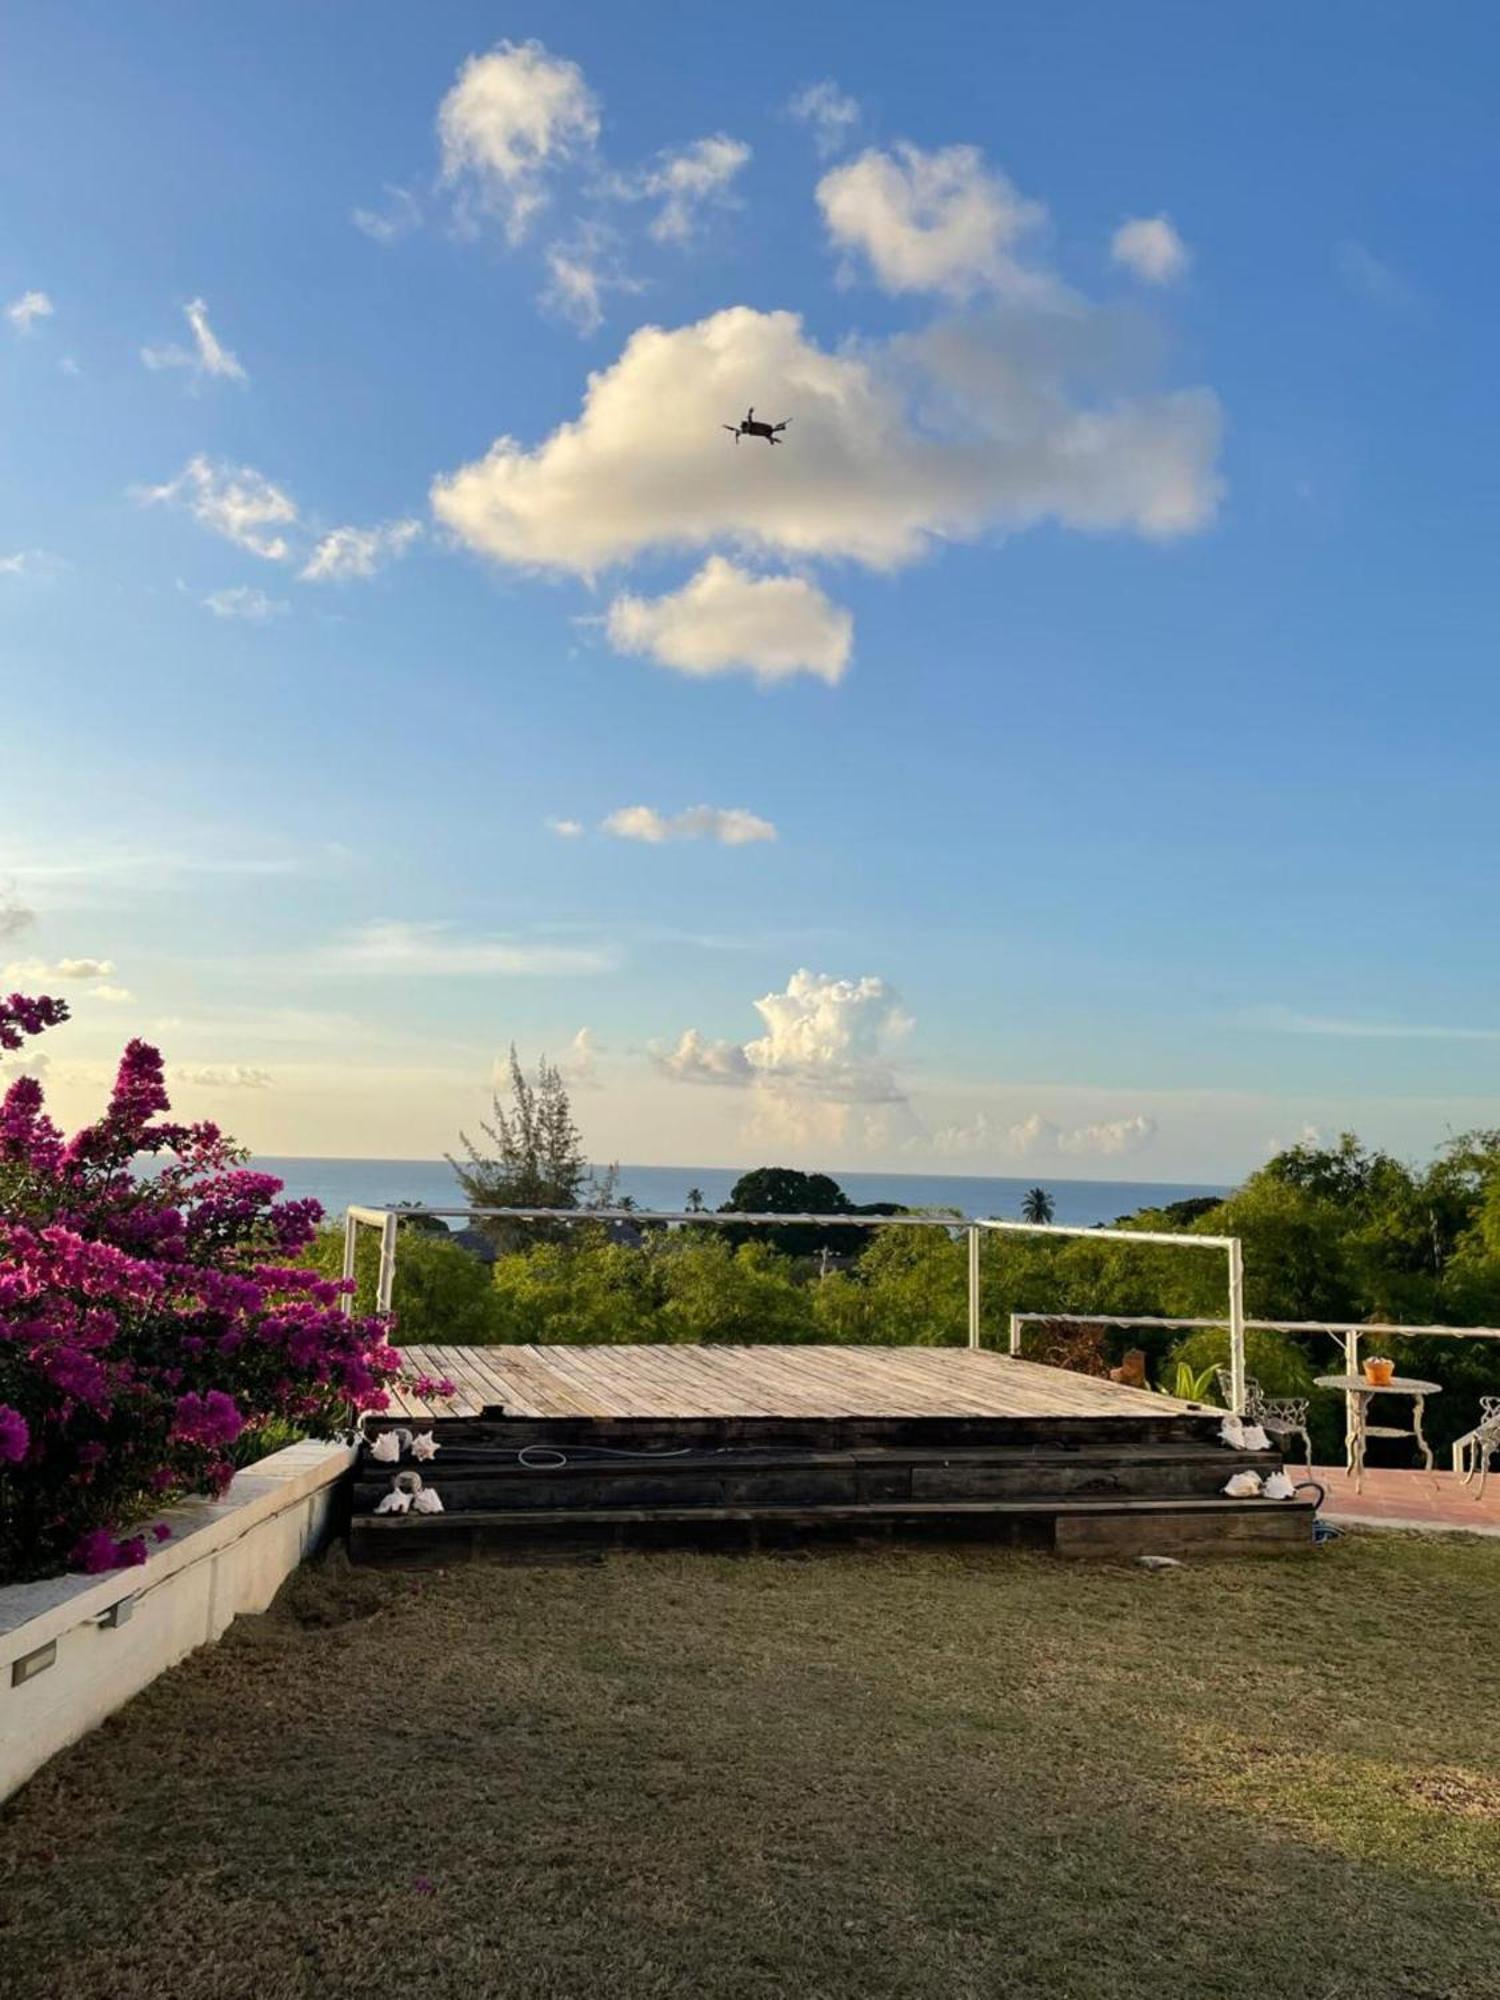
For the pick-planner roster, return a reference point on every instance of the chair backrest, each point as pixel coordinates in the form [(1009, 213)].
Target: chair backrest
[(1253, 1397), (1489, 1409)]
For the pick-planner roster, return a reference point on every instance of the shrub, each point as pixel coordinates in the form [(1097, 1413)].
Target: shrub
[(150, 1325)]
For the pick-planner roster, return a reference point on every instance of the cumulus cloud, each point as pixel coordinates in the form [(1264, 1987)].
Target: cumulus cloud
[(934, 222), (512, 116), (434, 949), (243, 600), (731, 826), (63, 969), (830, 113), (207, 356), (830, 1039), (984, 1137), (893, 448), (359, 552), (725, 620), (1149, 246), (25, 312), (567, 829), (236, 502), (683, 183), (221, 1076), (114, 994), (401, 214)]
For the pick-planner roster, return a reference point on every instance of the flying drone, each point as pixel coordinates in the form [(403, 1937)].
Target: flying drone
[(751, 429)]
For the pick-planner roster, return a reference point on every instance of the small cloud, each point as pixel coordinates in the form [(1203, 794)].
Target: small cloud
[(731, 826), (582, 269), (400, 216), (207, 356), (69, 366), (433, 949), (830, 114), (1289, 1021), (348, 553), (512, 117), (1151, 248), (580, 1062), (26, 312), (236, 502), (243, 600), (63, 969), (33, 565), (567, 829), (1363, 272), (684, 182), (110, 993), (725, 619), (221, 1076)]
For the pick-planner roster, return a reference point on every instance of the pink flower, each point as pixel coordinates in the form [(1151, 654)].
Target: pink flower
[(15, 1435), (162, 1532), (211, 1420)]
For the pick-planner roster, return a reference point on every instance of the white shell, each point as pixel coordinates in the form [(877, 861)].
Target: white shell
[(1232, 1431), (1242, 1485), (386, 1449), (1278, 1487), (394, 1502), (1253, 1438), (424, 1445), (427, 1502)]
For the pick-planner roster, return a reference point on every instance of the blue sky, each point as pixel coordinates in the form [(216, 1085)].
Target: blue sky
[(1089, 704)]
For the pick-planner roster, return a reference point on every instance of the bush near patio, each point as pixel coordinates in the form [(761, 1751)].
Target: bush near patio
[(151, 1326)]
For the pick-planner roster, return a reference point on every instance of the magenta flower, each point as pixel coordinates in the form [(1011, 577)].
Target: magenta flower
[(15, 1435), (212, 1420)]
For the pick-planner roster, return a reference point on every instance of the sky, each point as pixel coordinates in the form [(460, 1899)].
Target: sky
[(1068, 750)]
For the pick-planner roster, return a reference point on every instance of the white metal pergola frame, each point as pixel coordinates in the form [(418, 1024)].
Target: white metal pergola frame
[(388, 1222)]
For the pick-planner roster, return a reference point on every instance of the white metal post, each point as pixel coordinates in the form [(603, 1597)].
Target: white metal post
[(346, 1303), (973, 1286), (386, 1283), (1015, 1333), (1236, 1324)]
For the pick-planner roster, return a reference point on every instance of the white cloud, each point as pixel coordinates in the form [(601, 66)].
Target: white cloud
[(984, 1137), (934, 222), (32, 565), (359, 552), (65, 968), (243, 600), (24, 312), (582, 268), (892, 448), (830, 1040), (567, 829), (830, 113), (580, 1061), (684, 183), (1364, 272), (1288, 1021), (400, 216), (15, 916), (114, 994), (512, 115), (433, 949), (1111, 1139), (207, 356), (220, 1076), (1149, 246), (731, 826), (236, 502), (725, 620)]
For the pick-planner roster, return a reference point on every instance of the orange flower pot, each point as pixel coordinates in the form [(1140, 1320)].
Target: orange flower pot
[(1379, 1372)]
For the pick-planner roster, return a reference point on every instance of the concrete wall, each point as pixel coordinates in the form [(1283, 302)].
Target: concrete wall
[(225, 1556)]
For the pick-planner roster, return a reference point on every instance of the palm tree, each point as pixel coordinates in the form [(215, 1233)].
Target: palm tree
[(1036, 1205)]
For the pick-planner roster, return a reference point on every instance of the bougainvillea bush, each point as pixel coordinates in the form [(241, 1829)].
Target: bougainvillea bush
[(150, 1321)]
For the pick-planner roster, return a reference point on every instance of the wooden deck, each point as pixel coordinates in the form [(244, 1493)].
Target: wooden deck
[(683, 1382)]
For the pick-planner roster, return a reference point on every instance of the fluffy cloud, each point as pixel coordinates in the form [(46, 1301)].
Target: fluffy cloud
[(430, 949), (580, 1062), (24, 312), (15, 916), (684, 182), (511, 116), (236, 502), (1151, 248), (63, 969), (221, 1076), (725, 620), (731, 826), (830, 113), (828, 1039), (243, 600), (582, 268), (114, 994), (207, 356), (981, 1136), (400, 216), (567, 829), (934, 222), (999, 444), (359, 552)]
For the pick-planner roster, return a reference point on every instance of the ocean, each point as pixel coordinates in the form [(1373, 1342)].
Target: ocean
[(381, 1183)]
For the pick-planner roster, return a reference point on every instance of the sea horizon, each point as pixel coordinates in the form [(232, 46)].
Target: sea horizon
[(339, 1183)]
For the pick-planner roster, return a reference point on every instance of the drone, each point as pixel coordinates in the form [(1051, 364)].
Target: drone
[(751, 429)]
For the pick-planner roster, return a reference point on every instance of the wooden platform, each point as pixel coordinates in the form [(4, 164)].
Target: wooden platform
[(669, 1383), (583, 1447)]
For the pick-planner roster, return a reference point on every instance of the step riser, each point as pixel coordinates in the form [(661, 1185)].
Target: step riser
[(813, 1433)]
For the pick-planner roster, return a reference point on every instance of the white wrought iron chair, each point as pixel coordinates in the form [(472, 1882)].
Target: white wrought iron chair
[(1280, 1417), (1474, 1450)]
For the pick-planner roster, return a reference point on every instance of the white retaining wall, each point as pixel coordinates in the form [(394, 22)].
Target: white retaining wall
[(225, 1556)]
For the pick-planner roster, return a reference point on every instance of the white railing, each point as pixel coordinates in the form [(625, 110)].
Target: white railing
[(388, 1222)]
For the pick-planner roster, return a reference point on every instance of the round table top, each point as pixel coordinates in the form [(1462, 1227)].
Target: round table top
[(1404, 1385)]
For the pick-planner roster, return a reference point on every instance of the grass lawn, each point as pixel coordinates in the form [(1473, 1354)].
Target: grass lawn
[(899, 1772)]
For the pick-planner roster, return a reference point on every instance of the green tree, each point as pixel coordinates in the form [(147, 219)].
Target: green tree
[(1037, 1205), (535, 1157), (441, 1295), (785, 1191)]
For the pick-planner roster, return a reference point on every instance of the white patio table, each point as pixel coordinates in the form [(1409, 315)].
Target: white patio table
[(1359, 1390)]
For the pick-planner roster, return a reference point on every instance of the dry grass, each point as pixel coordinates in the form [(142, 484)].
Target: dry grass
[(912, 1773)]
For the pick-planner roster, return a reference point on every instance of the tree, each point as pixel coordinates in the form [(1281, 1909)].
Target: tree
[(1037, 1205), (536, 1158), (695, 1203), (786, 1191)]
